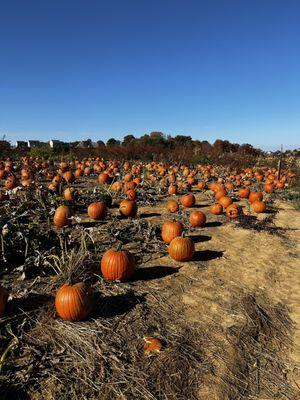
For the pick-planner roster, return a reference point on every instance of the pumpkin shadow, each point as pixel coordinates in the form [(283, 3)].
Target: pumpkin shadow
[(149, 215), (111, 306), (151, 273), (200, 205), (200, 238), (10, 392), (212, 224), (29, 303), (207, 255)]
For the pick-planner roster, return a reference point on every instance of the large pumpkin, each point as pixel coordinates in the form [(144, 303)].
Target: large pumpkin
[(170, 230), (3, 300), (197, 218), (188, 200), (62, 216), (97, 210), (74, 302), (182, 249), (128, 208), (117, 265)]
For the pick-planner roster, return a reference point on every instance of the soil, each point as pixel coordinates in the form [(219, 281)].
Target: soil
[(242, 290)]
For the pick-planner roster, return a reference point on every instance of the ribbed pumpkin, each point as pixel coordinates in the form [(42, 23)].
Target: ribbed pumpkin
[(254, 196), (170, 230), (128, 208), (173, 206), (74, 302), (188, 200), (197, 218), (3, 300), (259, 206), (62, 216), (117, 265), (182, 249), (97, 210), (216, 209)]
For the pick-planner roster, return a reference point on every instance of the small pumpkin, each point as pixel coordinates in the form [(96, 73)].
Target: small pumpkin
[(259, 206), (197, 218), (244, 193), (128, 208), (69, 177), (254, 196), (97, 210), (173, 206), (10, 183), (216, 209), (170, 230), (181, 249), (152, 345), (233, 211), (70, 194), (188, 200), (131, 194), (225, 201), (172, 189), (3, 300), (74, 302), (62, 216), (117, 264)]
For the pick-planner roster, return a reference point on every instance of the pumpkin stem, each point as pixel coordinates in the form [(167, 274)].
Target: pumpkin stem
[(119, 246), (71, 279)]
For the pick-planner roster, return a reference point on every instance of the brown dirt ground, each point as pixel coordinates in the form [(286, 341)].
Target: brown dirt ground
[(236, 261)]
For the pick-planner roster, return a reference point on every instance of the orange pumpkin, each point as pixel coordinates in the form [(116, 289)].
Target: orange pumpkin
[(254, 196), (181, 249), (197, 218), (62, 216), (216, 209), (170, 230), (69, 177), (173, 206), (225, 201), (128, 208), (172, 189), (188, 200), (131, 194), (117, 265), (259, 206), (233, 211), (74, 302), (97, 210), (70, 194), (243, 193)]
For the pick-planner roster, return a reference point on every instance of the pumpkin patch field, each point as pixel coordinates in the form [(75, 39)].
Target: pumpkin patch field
[(148, 281)]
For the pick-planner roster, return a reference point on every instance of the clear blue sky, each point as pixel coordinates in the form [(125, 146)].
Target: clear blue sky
[(226, 69)]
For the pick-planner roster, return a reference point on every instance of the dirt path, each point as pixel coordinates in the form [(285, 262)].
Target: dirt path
[(239, 273)]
